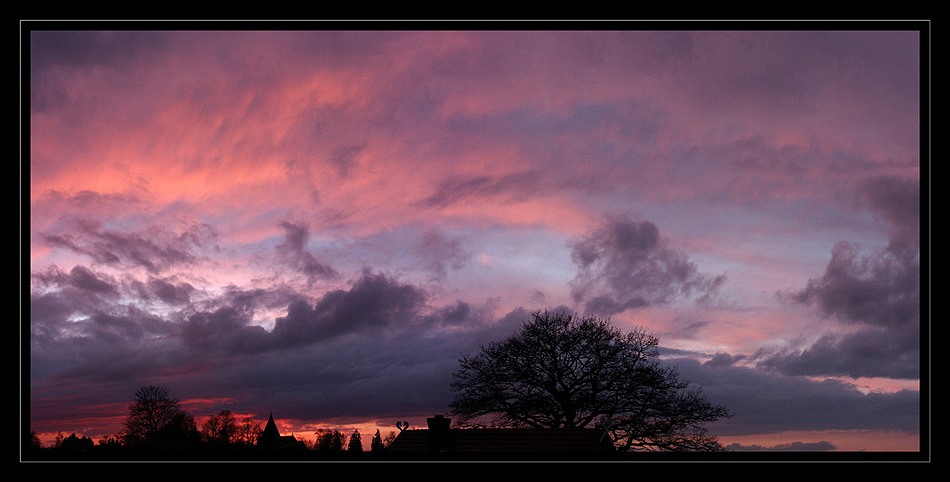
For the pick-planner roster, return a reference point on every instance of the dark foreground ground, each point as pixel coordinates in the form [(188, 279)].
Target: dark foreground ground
[(313, 456)]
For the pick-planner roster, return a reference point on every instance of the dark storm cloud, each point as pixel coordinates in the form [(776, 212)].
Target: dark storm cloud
[(107, 341), (294, 251), (119, 328), (226, 330), (400, 360), (763, 402), (441, 253), (48, 315), (455, 314), (252, 299), (80, 292), (723, 360), (360, 377), (80, 277), (170, 292), (408, 371), (881, 290), (155, 249), (375, 301), (509, 188), (391, 373), (897, 201), (878, 292), (86, 280), (872, 352), (625, 264)]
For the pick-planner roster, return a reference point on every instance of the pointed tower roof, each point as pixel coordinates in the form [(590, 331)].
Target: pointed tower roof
[(270, 430)]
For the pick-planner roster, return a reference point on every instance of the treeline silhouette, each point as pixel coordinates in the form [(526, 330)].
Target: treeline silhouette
[(157, 428), (560, 371)]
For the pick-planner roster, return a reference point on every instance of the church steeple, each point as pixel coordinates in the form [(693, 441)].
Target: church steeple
[(270, 435)]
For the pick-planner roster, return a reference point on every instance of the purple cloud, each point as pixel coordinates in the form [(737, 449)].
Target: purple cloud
[(441, 253), (84, 279), (375, 301), (224, 331), (723, 360), (871, 352), (897, 201), (506, 188), (344, 159), (294, 251), (822, 446), (762, 401), (170, 292), (155, 249), (624, 264), (878, 292)]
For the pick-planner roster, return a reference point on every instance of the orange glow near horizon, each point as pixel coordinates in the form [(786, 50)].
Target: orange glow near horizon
[(843, 440)]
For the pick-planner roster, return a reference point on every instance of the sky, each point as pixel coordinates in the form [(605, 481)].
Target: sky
[(318, 224)]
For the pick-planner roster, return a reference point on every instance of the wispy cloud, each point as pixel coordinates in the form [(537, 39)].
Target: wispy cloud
[(294, 251), (155, 249)]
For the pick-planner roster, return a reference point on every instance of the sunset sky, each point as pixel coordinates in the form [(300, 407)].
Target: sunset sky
[(318, 224)]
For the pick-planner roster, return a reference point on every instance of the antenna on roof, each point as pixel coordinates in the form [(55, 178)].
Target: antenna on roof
[(402, 425)]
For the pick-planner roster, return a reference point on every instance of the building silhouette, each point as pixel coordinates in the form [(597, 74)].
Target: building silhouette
[(272, 439), (440, 438)]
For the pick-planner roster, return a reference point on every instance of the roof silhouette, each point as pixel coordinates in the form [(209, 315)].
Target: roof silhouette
[(272, 438), (440, 438)]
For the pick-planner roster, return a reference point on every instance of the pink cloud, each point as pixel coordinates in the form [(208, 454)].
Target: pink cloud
[(746, 149)]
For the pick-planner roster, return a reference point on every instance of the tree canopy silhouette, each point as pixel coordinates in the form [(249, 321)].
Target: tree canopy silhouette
[(565, 371), (155, 419), (249, 431), (355, 445), (376, 445), (331, 441), (220, 429)]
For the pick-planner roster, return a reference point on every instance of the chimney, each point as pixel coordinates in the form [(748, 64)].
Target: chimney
[(438, 433)]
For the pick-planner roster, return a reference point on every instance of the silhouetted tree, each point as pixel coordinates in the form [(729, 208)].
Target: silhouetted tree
[(389, 439), (76, 444), (182, 431), (356, 443), (209, 429), (220, 429), (109, 441), (564, 371), (331, 441), (34, 441), (376, 445), (248, 432), (155, 419)]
